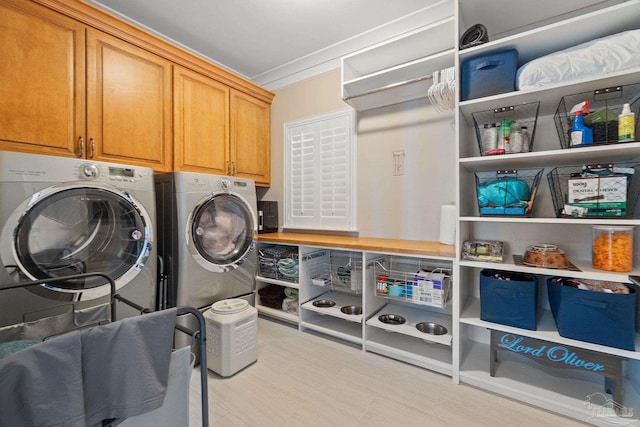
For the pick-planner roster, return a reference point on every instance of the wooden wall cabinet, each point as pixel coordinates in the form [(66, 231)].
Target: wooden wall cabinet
[(129, 102), (250, 147), (218, 129), (201, 123), (79, 82), (70, 90), (42, 80)]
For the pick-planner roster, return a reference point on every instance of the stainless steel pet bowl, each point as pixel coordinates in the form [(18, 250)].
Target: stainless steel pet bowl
[(391, 319), (324, 303), (351, 309), (431, 328)]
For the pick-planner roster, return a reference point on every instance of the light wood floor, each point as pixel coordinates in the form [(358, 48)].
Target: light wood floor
[(301, 379)]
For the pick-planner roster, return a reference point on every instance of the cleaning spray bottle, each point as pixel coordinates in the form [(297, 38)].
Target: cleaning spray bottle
[(580, 134)]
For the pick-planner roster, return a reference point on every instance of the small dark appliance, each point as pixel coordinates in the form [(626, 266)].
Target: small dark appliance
[(267, 217)]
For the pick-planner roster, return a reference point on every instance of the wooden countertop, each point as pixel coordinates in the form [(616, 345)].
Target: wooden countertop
[(415, 247)]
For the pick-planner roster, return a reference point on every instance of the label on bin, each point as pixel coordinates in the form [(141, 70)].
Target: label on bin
[(606, 196)]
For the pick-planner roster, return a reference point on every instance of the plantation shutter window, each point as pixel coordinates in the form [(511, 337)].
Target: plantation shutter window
[(320, 172)]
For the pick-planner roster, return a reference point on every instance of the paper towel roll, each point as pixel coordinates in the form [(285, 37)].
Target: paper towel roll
[(447, 224)]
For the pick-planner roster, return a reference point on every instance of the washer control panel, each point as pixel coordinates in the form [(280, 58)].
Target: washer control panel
[(237, 185)]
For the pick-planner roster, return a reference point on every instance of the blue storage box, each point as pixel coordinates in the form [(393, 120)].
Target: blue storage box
[(489, 74), (509, 298), (591, 316)]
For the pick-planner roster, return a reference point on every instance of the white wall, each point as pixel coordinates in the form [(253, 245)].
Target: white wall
[(401, 207), (406, 206)]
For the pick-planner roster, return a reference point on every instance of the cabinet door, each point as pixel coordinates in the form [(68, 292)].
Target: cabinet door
[(42, 69), (201, 123), (250, 138), (128, 103)]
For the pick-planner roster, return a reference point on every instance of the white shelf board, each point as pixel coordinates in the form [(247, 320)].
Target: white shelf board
[(547, 387), (327, 325), (416, 352), (399, 70), (587, 270), (277, 282), (341, 300), (386, 79), (564, 34), (623, 152), (393, 95), (549, 96), (278, 314), (559, 221), (422, 42), (546, 330), (414, 316)]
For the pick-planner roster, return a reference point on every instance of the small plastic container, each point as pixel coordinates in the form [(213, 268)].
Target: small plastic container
[(382, 280), (232, 336), (612, 248)]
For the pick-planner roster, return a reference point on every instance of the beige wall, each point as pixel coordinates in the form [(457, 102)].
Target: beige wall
[(317, 95), (403, 207)]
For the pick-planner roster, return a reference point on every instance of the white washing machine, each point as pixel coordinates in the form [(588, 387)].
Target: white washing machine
[(207, 225), (63, 216)]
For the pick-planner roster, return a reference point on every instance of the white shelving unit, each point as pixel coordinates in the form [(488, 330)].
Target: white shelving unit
[(397, 71), (552, 26), (263, 280), (402, 342), (400, 69)]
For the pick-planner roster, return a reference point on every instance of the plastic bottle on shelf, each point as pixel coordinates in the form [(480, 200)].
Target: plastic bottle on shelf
[(516, 140), (489, 138), (526, 142), (626, 124), (503, 135)]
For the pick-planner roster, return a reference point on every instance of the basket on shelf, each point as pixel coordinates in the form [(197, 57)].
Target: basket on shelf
[(345, 272), (506, 130), (272, 296), (605, 105), (279, 262), (507, 192), (597, 190), (430, 285)]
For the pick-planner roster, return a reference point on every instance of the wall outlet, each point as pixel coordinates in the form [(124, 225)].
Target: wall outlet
[(398, 162)]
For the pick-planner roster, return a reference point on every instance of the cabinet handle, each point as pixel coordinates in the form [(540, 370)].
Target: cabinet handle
[(81, 144), (93, 147), (228, 167), (234, 168)]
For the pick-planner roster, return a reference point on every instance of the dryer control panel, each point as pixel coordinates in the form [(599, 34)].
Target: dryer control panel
[(120, 175)]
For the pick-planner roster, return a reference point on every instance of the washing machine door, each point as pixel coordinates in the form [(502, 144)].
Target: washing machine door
[(221, 231), (78, 228)]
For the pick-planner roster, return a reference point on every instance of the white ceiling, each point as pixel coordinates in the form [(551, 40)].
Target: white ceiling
[(274, 42)]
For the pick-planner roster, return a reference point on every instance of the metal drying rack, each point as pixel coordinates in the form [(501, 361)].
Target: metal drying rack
[(199, 334)]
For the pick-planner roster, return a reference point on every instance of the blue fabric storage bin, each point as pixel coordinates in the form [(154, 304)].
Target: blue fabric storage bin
[(591, 316), (489, 74), (511, 302)]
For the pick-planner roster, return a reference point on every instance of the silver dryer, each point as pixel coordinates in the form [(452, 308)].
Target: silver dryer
[(206, 238), (62, 216)]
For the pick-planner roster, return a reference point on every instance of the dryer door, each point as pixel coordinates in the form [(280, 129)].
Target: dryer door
[(76, 228), (221, 229)]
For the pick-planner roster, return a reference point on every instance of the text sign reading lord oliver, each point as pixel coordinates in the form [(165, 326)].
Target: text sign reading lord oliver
[(552, 354)]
